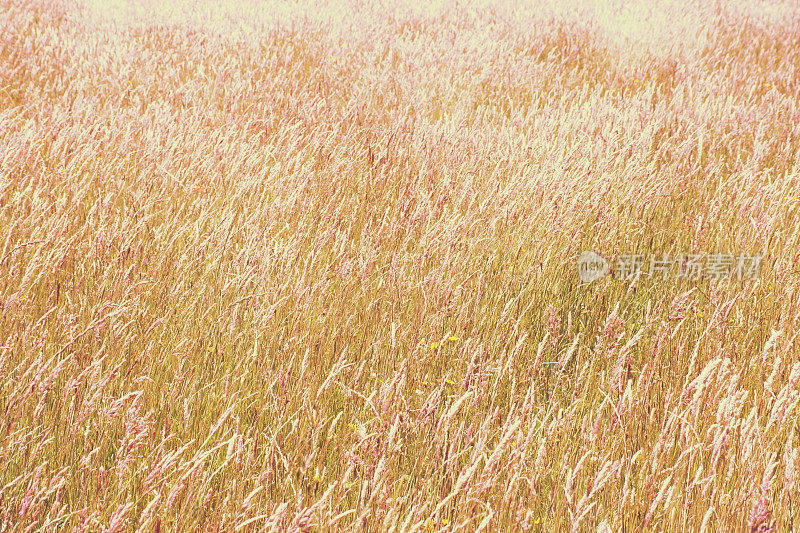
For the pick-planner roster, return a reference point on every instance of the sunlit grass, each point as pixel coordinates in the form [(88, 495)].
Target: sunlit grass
[(307, 272)]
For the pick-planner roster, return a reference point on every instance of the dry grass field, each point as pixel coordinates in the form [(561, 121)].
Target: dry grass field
[(313, 267)]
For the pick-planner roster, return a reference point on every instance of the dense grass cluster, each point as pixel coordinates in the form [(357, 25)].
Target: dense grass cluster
[(320, 273)]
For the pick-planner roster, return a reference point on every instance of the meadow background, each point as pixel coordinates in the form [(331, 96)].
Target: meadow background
[(279, 266)]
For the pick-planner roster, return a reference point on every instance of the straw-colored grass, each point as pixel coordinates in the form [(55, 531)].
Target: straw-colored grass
[(319, 273)]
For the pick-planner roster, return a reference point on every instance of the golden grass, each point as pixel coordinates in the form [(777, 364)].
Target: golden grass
[(322, 276)]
